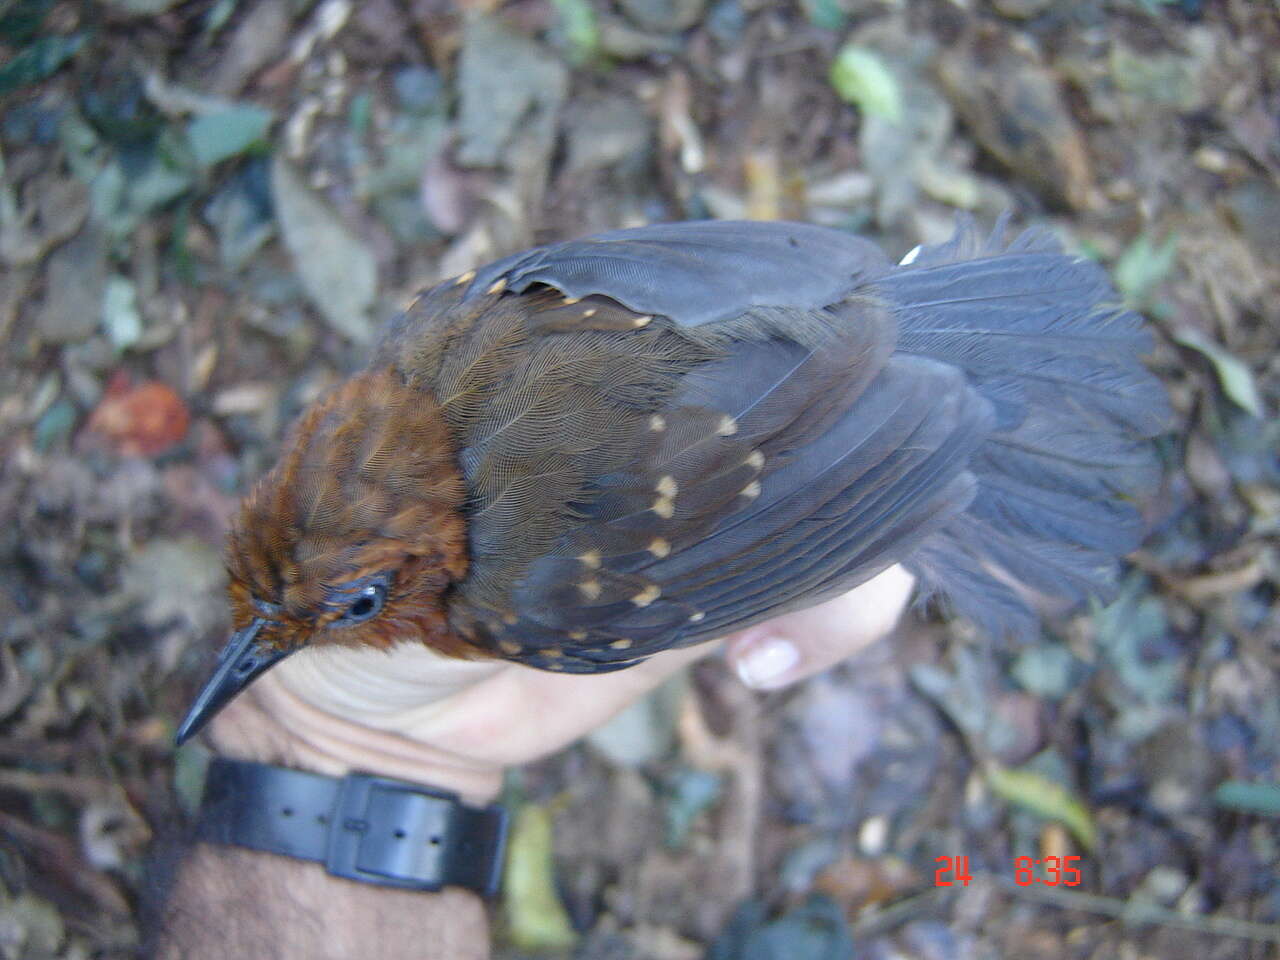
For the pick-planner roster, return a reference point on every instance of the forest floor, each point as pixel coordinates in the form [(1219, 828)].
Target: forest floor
[(160, 324)]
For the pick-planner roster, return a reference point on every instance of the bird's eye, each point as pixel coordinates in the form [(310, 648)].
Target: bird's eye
[(367, 604)]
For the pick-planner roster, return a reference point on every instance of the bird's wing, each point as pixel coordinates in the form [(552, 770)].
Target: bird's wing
[(773, 476), (697, 272), (872, 390)]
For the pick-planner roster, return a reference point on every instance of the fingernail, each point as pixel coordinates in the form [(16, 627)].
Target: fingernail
[(767, 663)]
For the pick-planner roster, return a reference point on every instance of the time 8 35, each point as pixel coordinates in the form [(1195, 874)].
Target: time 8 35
[(1056, 871)]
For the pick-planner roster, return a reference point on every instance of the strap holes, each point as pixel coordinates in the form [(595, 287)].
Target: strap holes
[(321, 819), (435, 841), (398, 834), (287, 811)]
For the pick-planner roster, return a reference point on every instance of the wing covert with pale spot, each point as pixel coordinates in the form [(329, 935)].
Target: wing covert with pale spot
[(696, 272), (754, 464)]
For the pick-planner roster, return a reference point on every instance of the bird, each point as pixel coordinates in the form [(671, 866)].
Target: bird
[(584, 454)]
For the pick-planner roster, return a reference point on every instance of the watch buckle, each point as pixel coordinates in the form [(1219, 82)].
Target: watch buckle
[(388, 832)]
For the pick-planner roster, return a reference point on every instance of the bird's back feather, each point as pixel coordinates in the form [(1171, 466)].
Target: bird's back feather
[(673, 432)]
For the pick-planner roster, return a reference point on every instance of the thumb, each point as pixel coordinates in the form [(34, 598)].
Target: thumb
[(798, 645)]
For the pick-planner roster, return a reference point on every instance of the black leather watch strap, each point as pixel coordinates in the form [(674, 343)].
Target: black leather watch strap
[(373, 829)]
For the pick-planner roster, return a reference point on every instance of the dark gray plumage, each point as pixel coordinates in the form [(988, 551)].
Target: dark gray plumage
[(698, 272)]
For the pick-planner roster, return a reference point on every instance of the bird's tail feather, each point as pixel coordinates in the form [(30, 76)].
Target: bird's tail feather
[(1040, 334)]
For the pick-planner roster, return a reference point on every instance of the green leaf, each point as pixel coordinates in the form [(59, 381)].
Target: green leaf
[(578, 21), (1263, 798), (142, 8), (1044, 797), (21, 20), (815, 930), (336, 268), (120, 316), (1130, 632), (646, 730), (241, 217), (215, 137), (536, 919), (508, 85), (1143, 266), (1236, 379), (826, 14), (82, 147), (218, 16), (119, 202), (190, 764), (1045, 670), (39, 60), (861, 77), (692, 792), (54, 425), (360, 114)]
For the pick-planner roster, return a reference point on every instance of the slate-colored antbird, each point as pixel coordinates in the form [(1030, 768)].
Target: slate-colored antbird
[(592, 451)]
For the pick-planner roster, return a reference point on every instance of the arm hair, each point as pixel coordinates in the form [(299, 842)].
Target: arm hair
[(229, 903)]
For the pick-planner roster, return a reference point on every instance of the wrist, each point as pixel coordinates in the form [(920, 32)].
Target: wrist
[(271, 724)]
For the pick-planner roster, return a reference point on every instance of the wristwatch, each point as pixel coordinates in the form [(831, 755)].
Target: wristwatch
[(367, 828)]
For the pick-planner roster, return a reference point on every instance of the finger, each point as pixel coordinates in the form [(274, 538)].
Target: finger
[(797, 645), (413, 706), (521, 714)]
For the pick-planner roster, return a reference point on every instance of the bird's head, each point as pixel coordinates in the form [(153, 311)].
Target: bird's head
[(353, 538)]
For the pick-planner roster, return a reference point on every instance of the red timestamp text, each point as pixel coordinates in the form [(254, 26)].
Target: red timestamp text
[(957, 867), (1056, 871), (1049, 871)]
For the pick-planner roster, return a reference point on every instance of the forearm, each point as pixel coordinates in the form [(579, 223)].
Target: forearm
[(234, 903), (230, 902)]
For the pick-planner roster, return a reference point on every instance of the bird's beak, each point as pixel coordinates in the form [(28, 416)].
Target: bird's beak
[(242, 659)]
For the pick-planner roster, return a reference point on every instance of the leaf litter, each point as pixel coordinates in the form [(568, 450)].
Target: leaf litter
[(226, 230)]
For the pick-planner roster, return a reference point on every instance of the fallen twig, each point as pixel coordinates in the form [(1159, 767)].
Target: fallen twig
[(1136, 911)]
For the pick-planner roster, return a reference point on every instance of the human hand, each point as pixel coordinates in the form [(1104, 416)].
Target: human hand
[(412, 714)]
